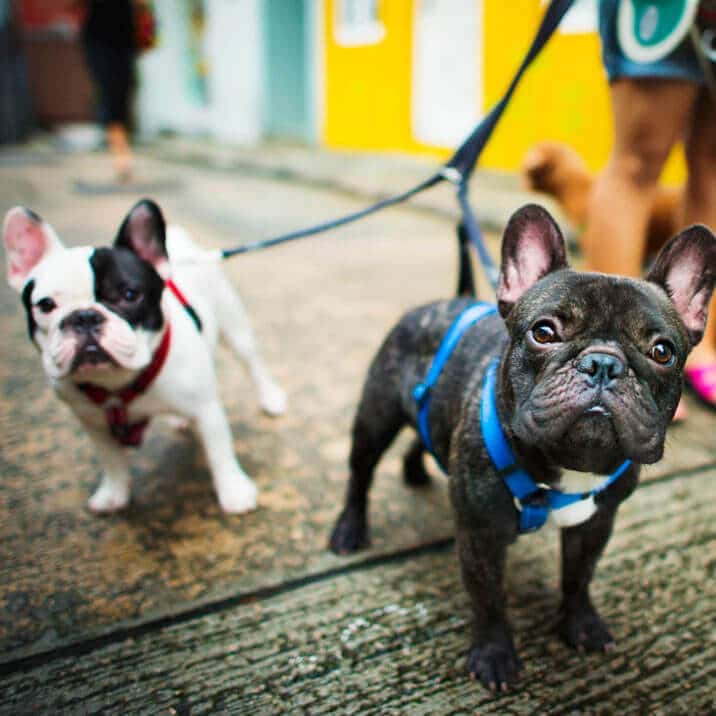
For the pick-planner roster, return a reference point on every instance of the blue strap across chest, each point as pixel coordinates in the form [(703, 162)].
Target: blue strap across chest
[(533, 500), (421, 392)]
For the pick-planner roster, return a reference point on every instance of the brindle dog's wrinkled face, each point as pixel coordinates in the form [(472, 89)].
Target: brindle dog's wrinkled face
[(596, 368), (88, 310), (595, 362)]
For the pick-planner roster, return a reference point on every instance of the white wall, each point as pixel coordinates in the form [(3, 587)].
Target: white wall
[(234, 42), (447, 70), (163, 100), (317, 68), (232, 47)]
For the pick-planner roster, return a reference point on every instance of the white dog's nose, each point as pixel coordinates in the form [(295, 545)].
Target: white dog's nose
[(83, 321)]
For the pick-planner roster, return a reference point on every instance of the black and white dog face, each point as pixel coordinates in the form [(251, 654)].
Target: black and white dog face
[(90, 311)]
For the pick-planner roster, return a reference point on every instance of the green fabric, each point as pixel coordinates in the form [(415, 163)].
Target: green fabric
[(655, 20)]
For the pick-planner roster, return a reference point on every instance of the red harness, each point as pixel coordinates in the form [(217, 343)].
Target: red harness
[(116, 402), (169, 283)]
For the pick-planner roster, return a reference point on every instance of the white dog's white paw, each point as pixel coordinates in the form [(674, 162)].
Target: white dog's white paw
[(109, 497), (237, 495), (273, 399)]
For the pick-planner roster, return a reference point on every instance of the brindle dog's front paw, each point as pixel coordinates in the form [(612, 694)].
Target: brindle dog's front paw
[(495, 664), (350, 532), (583, 629)]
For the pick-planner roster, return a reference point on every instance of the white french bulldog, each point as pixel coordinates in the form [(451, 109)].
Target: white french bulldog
[(118, 348)]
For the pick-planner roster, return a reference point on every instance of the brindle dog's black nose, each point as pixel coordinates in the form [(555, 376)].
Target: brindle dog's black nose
[(602, 367), (84, 321)]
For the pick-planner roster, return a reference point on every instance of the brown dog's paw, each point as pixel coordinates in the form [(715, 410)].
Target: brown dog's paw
[(585, 630), (495, 664)]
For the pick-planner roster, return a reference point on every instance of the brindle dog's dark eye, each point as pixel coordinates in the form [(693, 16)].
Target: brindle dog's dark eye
[(544, 332), (131, 294), (46, 305), (662, 353)]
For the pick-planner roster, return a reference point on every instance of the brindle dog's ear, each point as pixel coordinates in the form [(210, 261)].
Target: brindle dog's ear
[(532, 247), (686, 269), (144, 232)]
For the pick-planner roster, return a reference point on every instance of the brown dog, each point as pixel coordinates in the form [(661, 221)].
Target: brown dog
[(555, 169)]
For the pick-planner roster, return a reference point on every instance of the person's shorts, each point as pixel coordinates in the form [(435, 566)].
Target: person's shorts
[(681, 64)]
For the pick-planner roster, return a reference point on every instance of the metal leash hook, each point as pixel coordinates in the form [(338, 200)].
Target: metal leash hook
[(452, 175), (457, 170)]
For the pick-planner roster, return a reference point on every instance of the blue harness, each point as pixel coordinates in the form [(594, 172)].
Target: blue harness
[(533, 500)]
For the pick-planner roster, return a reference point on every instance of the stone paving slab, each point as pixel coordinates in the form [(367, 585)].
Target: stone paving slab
[(391, 639), (320, 309)]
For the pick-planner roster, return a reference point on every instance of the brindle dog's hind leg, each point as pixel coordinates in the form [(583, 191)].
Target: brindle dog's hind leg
[(414, 472), (379, 418)]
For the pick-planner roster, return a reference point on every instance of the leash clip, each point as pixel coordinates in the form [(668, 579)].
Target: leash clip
[(534, 509), (452, 175), (538, 498)]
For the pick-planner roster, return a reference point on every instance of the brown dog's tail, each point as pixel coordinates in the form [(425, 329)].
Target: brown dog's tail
[(466, 278)]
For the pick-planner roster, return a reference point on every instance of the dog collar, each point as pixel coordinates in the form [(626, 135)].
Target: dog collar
[(116, 402), (534, 501)]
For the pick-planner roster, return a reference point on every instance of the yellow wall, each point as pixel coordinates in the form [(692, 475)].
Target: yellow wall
[(563, 96), (368, 87)]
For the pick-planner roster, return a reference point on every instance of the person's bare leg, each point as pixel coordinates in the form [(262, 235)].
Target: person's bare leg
[(700, 201), (650, 115), (118, 144)]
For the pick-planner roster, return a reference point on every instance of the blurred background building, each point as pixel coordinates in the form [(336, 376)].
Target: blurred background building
[(378, 75)]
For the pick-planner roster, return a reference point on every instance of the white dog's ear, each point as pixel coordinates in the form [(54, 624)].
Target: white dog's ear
[(686, 269), (532, 247), (144, 232), (28, 240)]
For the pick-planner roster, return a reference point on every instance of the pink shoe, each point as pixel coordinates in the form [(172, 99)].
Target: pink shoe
[(701, 379)]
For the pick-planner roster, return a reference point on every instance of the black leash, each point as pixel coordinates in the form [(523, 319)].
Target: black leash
[(334, 223), (457, 170)]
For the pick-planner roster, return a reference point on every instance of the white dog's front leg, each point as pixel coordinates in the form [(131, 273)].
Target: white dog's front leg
[(113, 491), (235, 490)]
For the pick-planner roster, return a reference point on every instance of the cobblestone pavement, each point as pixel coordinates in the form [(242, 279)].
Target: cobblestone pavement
[(173, 605)]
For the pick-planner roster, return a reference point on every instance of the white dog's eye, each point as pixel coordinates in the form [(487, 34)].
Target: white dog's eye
[(131, 294), (46, 305)]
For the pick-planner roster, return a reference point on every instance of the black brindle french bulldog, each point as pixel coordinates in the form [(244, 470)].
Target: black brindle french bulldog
[(590, 375)]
